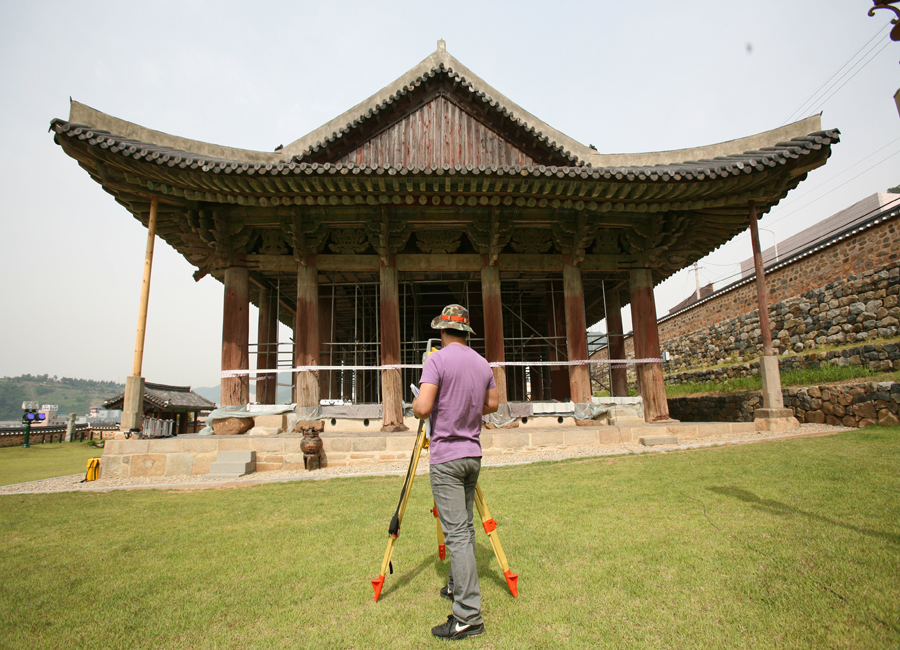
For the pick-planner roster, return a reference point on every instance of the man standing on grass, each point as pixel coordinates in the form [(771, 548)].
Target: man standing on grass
[(457, 388)]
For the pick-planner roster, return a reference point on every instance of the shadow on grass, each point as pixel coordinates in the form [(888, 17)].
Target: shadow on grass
[(407, 577), (778, 508)]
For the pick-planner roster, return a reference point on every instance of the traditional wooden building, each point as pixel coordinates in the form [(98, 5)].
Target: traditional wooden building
[(438, 189), (164, 402)]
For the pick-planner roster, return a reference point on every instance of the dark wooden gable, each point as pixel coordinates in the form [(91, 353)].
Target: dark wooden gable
[(439, 123)]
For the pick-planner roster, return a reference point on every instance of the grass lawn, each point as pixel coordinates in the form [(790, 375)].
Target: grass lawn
[(791, 544), (18, 465)]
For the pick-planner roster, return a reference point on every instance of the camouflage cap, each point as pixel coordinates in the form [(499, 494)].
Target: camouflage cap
[(454, 317)]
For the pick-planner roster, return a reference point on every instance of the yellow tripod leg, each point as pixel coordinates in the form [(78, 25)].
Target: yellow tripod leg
[(421, 443), (490, 527), (442, 549)]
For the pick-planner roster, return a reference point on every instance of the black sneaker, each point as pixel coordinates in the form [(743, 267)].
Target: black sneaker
[(454, 630), (446, 593)]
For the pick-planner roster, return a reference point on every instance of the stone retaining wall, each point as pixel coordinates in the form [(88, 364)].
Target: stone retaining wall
[(192, 455), (842, 312), (851, 405), (880, 357)]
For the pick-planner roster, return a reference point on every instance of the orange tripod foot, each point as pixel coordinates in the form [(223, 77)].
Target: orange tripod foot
[(378, 583), (511, 579)]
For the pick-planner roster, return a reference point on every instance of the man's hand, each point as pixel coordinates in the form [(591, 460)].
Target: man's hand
[(423, 404), (491, 401)]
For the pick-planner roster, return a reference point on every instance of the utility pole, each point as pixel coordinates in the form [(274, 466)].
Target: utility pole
[(697, 279)]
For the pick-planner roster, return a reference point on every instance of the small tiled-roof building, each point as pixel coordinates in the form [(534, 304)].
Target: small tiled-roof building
[(178, 403)]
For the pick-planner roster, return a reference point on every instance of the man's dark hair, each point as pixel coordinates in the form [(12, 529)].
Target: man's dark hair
[(458, 334)]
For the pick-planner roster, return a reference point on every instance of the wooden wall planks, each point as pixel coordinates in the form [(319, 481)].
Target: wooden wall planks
[(439, 133)]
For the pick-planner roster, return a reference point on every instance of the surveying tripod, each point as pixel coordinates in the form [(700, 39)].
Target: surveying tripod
[(490, 526)]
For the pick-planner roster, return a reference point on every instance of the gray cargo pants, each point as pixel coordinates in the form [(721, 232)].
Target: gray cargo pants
[(453, 486)]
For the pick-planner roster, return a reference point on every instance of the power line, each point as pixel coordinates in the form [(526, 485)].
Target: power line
[(816, 92), (872, 58)]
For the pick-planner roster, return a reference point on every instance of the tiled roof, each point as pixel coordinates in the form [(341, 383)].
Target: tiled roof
[(720, 167), (163, 396)]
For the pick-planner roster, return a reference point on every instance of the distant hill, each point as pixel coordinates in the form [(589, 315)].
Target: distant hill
[(70, 394)]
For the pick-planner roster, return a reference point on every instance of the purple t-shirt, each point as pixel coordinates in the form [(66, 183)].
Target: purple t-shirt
[(463, 378)]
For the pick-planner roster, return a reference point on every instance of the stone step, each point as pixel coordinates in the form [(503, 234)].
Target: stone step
[(232, 464), (236, 456), (649, 441)]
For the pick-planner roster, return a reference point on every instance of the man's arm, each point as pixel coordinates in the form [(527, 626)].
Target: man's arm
[(423, 404), (491, 401)]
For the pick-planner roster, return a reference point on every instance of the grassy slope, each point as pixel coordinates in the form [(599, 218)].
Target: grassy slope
[(18, 465), (792, 544)]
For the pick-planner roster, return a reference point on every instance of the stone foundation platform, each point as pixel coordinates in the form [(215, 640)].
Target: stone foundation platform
[(193, 454)]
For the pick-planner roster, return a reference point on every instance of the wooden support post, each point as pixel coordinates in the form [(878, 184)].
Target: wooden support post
[(306, 333), (616, 347), (770, 373), (236, 335), (556, 327), (133, 407), (267, 347), (576, 332), (391, 382), (493, 324), (646, 346)]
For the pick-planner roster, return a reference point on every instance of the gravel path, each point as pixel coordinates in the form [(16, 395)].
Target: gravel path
[(73, 483)]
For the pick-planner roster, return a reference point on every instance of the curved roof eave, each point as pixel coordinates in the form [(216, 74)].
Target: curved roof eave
[(82, 114)]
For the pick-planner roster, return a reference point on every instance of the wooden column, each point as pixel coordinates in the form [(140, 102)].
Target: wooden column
[(267, 347), (556, 328), (389, 311), (306, 333), (616, 348), (646, 345), (576, 332), (493, 324), (236, 335)]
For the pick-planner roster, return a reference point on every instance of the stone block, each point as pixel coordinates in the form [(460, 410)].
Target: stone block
[(547, 438), (271, 421), (179, 464), (204, 445), (166, 446), (744, 427), (202, 463), (232, 426), (132, 447), (887, 419), (148, 465), (114, 467), (266, 445), (581, 436), (264, 431), (235, 444), (865, 410), (405, 443), (329, 444), (652, 441), (357, 456), (369, 443), (849, 421), (684, 432), (613, 435), (510, 439), (268, 467), (487, 439), (272, 459)]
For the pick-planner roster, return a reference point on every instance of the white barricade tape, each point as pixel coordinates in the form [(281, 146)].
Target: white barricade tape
[(413, 366)]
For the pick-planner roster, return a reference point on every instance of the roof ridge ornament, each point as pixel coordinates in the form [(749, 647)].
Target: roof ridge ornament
[(441, 45)]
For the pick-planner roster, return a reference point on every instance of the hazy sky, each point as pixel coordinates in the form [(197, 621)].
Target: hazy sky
[(624, 76)]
